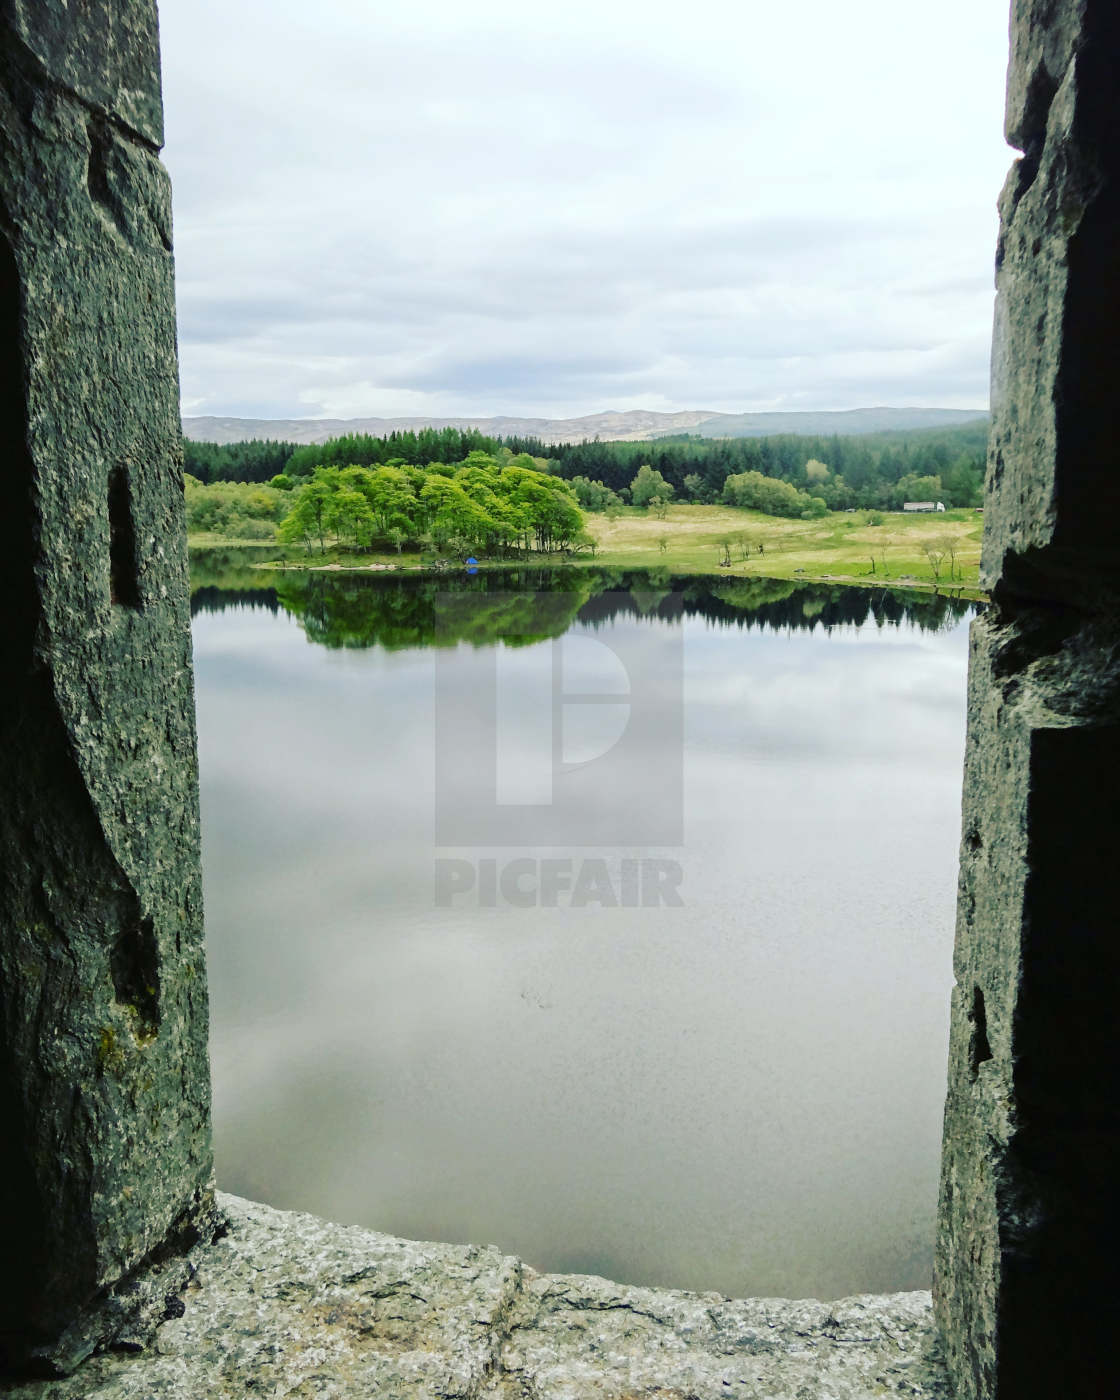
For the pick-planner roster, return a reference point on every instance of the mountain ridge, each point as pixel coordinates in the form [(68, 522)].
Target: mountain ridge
[(632, 425)]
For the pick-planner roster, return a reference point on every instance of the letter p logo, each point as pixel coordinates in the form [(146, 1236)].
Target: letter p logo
[(569, 740)]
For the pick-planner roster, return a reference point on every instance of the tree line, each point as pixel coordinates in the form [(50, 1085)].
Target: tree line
[(749, 490), (260, 461), (873, 471)]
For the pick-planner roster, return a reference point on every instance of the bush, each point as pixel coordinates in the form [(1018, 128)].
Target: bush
[(235, 509), (755, 491)]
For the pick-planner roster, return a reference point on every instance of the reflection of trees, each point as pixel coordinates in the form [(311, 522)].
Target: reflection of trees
[(750, 594), (357, 611), (212, 598), (526, 605), (222, 569), (780, 605)]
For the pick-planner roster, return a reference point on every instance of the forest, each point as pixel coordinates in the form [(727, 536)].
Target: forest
[(259, 461), (877, 471)]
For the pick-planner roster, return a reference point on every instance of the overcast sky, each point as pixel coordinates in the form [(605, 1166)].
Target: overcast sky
[(436, 207)]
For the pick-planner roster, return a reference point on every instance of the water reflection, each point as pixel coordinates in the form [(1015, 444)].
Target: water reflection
[(362, 610), (743, 1094)]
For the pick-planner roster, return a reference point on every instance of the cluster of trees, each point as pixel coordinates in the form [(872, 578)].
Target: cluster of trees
[(751, 489), (772, 496), (649, 489), (873, 471), (236, 509), (478, 505), (593, 495)]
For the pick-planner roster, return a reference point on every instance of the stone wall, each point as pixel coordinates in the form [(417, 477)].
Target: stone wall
[(104, 1084), (1024, 1291)]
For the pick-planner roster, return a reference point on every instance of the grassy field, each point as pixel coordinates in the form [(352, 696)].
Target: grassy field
[(918, 551), (841, 547)]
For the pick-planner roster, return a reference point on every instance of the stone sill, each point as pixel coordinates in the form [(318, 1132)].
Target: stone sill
[(288, 1306)]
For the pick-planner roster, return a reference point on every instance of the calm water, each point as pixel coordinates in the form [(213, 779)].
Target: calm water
[(743, 1093)]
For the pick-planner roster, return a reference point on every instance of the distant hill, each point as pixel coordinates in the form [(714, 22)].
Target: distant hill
[(635, 425), (844, 423)]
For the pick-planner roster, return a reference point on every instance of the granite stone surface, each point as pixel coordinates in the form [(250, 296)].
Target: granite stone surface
[(1025, 1283), (285, 1306), (104, 1077)]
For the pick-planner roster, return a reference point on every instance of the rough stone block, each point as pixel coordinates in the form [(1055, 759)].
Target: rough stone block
[(1052, 490), (106, 54), (1029, 1233), (104, 1082), (1024, 1285), (287, 1305)]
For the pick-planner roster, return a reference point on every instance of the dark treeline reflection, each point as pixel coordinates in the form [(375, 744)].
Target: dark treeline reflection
[(209, 598), (521, 606)]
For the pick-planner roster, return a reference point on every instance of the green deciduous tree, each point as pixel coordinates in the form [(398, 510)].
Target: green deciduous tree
[(310, 517), (649, 486)]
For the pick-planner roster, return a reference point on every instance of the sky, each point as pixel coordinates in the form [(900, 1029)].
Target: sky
[(504, 207)]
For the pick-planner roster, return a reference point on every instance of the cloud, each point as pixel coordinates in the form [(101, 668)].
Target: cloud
[(507, 210)]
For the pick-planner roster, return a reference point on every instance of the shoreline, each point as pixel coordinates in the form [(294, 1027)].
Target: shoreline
[(957, 588)]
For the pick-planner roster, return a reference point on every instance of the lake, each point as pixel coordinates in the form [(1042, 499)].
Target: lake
[(669, 1000)]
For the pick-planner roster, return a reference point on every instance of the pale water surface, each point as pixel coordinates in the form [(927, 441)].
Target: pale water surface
[(743, 1094)]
